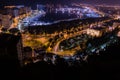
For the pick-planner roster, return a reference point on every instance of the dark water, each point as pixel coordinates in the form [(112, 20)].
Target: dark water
[(51, 17)]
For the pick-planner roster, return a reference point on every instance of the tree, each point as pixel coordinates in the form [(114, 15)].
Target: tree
[(14, 30)]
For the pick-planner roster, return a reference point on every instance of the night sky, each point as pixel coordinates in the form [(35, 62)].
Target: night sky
[(33, 2)]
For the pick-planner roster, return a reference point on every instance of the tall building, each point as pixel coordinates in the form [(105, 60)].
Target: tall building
[(0, 23), (20, 51), (8, 14), (11, 50), (27, 55), (27, 52), (17, 10), (5, 20)]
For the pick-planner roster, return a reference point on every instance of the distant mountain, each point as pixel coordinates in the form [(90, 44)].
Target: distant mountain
[(29, 2), (33, 2), (111, 2)]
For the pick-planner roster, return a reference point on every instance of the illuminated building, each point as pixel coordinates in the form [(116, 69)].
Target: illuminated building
[(10, 13), (17, 10), (6, 20), (0, 23)]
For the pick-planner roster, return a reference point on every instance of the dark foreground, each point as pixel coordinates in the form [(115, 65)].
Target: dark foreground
[(104, 66)]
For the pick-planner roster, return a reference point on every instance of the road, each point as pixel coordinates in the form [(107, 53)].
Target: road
[(57, 44)]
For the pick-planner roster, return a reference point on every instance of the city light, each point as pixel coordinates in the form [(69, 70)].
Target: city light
[(60, 36)]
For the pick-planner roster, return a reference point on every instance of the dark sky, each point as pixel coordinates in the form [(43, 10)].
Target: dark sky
[(33, 2)]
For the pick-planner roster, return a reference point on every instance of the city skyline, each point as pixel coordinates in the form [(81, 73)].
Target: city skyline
[(31, 2), (67, 33), (60, 39)]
